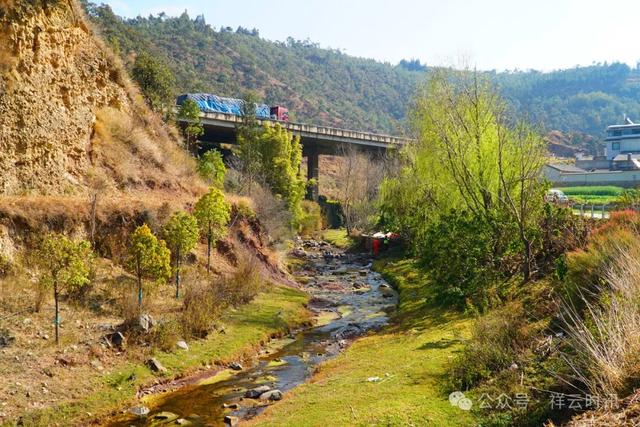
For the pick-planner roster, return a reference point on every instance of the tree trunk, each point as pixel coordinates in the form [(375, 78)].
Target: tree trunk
[(94, 203), (139, 274), (526, 267), (178, 273), (139, 292), (57, 313), (209, 252)]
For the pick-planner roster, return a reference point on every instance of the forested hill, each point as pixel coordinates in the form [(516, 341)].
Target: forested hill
[(320, 86), (326, 86)]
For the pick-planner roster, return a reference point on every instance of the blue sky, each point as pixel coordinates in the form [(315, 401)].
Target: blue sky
[(488, 34)]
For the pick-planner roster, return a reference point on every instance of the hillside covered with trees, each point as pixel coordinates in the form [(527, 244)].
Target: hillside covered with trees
[(326, 86)]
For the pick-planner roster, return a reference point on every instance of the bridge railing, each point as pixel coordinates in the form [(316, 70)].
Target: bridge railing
[(315, 129)]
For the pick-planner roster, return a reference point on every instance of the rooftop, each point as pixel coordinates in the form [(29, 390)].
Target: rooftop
[(562, 167)]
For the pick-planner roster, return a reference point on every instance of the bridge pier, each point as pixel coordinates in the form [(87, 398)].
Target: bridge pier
[(313, 172)]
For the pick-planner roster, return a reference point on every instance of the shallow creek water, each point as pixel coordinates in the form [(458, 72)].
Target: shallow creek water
[(348, 299)]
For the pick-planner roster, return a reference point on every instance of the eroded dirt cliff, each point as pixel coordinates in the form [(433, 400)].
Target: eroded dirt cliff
[(69, 116)]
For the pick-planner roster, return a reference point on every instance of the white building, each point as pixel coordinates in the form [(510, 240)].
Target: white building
[(619, 166), (622, 139)]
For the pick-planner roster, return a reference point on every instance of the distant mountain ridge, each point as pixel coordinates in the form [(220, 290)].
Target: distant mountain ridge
[(328, 87)]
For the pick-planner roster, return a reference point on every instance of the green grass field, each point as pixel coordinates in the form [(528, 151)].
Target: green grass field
[(410, 357), (599, 195)]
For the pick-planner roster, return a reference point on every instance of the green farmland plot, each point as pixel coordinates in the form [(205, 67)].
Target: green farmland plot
[(598, 195)]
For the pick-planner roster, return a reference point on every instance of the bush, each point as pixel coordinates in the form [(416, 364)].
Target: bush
[(127, 302), (243, 284), (497, 340), (201, 307), (204, 301), (165, 335), (273, 213), (460, 252), (242, 209), (311, 219)]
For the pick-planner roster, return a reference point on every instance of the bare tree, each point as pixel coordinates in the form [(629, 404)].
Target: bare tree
[(360, 176), (521, 155)]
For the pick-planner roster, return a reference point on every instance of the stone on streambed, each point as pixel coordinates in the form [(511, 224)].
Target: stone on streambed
[(235, 366), (386, 290), (350, 331), (139, 411), (341, 271), (231, 421), (163, 417), (271, 396), (255, 393), (299, 253), (230, 406)]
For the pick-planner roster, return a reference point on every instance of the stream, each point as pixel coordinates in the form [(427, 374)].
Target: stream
[(348, 300)]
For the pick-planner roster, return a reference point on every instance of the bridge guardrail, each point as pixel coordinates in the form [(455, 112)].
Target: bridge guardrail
[(322, 130)]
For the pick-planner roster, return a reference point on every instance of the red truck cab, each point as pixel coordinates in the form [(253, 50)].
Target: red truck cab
[(279, 113)]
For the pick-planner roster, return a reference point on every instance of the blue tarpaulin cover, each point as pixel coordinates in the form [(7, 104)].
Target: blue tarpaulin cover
[(209, 103)]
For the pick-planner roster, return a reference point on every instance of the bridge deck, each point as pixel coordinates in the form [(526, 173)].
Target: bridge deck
[(324, 133)]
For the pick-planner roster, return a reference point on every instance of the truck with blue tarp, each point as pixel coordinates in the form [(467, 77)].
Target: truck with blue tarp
[(209, 103)]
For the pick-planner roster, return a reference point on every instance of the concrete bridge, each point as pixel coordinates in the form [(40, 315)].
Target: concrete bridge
[(315, 140)]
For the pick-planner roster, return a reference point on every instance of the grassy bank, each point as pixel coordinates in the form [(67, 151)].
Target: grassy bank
[(272, 312), (410, 357), (339, 238)]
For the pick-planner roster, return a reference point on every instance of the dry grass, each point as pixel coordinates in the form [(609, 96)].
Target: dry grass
[(136, 157), (605, 336)]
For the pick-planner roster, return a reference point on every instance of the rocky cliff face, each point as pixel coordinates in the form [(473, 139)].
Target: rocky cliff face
[(56, 78)]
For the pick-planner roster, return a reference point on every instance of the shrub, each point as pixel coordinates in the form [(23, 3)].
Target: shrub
[(461, 254), (311, 219), (242, 209), (497, 340), (586, 268), (201, 306), (273, 212), (205, 301), (242, 285), (127, 301), (165, 335)]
